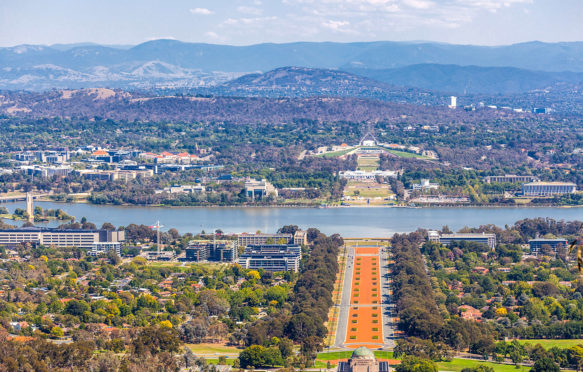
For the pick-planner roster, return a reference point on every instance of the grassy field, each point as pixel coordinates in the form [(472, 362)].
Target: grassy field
[(547, 344), (404, 154), (367, 164), (212, 349), (459, 364), (334, 154)]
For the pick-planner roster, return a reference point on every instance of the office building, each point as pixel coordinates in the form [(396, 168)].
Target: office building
[(223, 251), (424, 185), (272, 257), (433, 236), (548, 188), (452, 102), (114, 175), (58, 238), (300, 237), (483, 238), (245, 239), (46, 171), (103, 248), (555, 244), (362, 175), (258, 189), (510, 178)]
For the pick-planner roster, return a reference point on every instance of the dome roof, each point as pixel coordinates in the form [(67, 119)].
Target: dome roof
[(363, 353)]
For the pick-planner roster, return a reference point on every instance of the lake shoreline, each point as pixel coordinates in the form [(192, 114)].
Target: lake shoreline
[(311, 206)]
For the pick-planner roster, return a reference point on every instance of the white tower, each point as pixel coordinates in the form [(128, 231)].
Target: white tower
[(29, 207), (452, 102)]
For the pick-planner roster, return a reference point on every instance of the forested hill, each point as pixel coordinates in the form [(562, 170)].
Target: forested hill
[(121, 105), (310, 82)]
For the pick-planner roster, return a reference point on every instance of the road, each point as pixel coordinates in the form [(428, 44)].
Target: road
[(342, 324), (388, 305)]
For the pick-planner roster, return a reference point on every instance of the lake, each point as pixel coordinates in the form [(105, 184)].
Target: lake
[(348, 221)]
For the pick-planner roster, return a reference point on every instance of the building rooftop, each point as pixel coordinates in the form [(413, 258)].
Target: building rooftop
[(550, 183), (468, 235), (363, 353)]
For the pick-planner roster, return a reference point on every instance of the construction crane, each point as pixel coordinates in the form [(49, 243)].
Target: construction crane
[(157, 226)]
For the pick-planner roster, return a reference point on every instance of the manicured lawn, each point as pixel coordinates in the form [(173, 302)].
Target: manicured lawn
[(212, 349), (216, 361), (547, 344), (459, 364), (335, 153), (404, 154), (335, 355)]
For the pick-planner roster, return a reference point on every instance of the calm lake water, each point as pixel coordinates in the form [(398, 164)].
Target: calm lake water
[(349, 222)]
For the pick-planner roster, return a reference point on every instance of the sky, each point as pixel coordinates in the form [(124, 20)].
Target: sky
[(244, 22)]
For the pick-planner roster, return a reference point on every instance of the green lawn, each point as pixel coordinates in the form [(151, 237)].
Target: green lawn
[(404, 154), (334, 154), (459, 364), (216, 361), (334, 355), (547, 344)]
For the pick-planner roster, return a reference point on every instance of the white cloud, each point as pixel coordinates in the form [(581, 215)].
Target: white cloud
[(250, 10), (335, 25), (201, 11)]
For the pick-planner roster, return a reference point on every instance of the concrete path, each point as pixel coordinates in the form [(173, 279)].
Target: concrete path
[(342, 324), (388, 306)]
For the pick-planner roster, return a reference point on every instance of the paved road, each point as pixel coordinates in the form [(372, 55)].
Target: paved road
[(388, 306), (342, 324)]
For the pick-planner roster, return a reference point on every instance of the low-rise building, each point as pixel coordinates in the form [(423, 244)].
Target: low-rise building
[(103, 248), (114, 175), (221, 251), (46, 171), (536, 244), (298, 238), (272, 257), (363, 175), (510, 178), (424, 185), (58, 237), (483, 238), (183, 189), (548, 188)]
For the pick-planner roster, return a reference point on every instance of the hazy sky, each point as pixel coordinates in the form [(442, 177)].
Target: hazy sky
[(241, 22)]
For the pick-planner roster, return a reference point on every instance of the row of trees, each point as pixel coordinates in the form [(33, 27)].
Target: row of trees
[(302, 319), (419, 314)]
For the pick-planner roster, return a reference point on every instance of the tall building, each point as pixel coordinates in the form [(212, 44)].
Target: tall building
[(452, 102), (548, 188), (57, 237), (272, 257), (487, 239)]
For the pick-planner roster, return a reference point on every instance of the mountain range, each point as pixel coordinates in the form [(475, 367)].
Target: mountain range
[(171, 64)]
